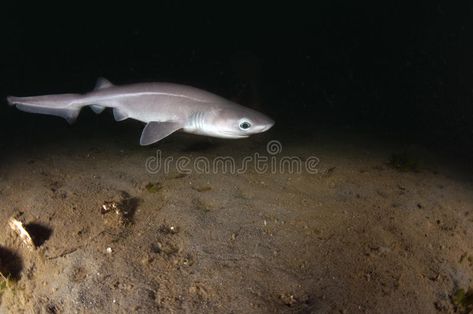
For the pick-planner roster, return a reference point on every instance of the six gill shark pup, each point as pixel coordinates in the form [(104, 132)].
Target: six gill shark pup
[(164, 107)]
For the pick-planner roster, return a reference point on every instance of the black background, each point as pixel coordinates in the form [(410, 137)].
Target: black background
[(403, 68)]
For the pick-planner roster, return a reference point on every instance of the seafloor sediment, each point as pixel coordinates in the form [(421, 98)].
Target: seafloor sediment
[(373, 229)]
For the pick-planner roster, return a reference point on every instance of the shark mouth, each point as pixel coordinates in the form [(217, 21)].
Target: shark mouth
[(229, 134)]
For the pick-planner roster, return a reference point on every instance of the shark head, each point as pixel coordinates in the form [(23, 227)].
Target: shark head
[(238, 122), (233, 121)]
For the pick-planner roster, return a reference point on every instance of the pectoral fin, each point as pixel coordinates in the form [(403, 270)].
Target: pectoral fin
[(156, 131)]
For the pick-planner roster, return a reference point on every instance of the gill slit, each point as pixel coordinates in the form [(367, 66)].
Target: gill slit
[(198, 120)]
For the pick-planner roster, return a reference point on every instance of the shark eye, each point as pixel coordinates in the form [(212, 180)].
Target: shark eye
[(245, 125)]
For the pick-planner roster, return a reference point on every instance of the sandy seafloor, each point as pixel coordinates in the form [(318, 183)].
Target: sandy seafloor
[(356, 237)]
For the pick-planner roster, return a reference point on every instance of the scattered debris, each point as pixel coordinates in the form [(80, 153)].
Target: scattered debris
[(166, 246), (201, 291), (203, 204), (169, 249), (187, 260), (167, 229), (329, 172), (19, 229), (180, 175), (441, 306), (203, 188), (124, 209), (108, 207), (400, 187), (288, 299), (156, 248)]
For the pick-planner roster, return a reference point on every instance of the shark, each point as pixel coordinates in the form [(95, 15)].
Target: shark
[(164, 107)]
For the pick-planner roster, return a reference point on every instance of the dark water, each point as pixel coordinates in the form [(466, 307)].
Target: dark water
[(396, 68)]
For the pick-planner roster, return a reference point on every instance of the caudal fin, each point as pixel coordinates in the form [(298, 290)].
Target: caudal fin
[(66, 106)]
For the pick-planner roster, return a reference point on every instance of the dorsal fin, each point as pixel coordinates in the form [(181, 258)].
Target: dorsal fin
[(102, 83)]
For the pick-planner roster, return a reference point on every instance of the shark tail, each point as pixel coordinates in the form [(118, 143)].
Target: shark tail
[(67, 106)]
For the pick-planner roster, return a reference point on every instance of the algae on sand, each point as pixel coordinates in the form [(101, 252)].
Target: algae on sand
[(463, 300), (153, 187), (5, 283), (404, 162)]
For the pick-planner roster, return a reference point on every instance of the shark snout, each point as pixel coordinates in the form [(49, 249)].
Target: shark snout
[(269, 125), (264, 127)]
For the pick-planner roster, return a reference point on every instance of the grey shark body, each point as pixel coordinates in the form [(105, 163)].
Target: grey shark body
[(164, 107)]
